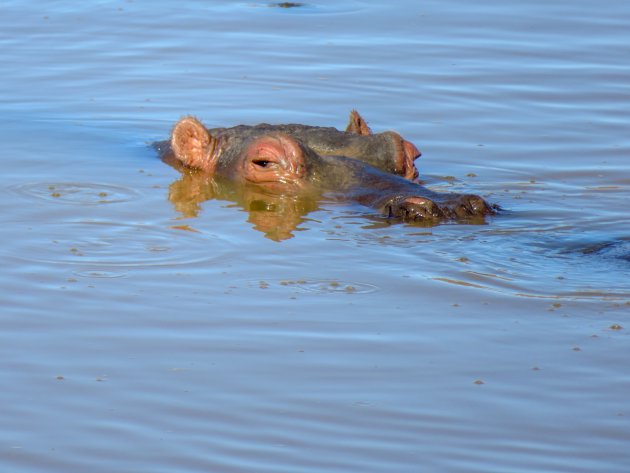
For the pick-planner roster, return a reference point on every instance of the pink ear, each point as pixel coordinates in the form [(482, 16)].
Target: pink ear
[(357, 125), (193, 145)]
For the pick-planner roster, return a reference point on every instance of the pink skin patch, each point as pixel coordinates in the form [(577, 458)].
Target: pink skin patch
[(416, 200), (276, 160)]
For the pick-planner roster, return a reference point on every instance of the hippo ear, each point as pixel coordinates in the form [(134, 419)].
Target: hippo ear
[(357, 125), (192, 144)]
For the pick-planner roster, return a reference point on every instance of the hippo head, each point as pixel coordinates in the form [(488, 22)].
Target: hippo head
[(205, 149)]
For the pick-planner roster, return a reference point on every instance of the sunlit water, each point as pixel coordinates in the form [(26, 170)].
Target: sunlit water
[(137, 337)]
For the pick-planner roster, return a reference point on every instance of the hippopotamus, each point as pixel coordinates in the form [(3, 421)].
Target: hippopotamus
[(376, 170), (387, 151)]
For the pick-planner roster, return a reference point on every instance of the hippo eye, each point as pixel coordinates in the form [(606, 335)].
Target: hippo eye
[(263, 163)]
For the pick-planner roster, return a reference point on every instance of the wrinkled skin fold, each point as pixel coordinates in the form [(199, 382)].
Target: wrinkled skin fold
[(279, 173)]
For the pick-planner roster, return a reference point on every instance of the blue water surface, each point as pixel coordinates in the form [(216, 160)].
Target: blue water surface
[(137, 337)]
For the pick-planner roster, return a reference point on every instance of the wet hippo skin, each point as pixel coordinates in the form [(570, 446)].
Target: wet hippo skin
[(387, 151), (375, 170)]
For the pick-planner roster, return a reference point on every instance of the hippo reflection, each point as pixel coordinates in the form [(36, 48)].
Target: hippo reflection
[(281, 171), (276, 215)]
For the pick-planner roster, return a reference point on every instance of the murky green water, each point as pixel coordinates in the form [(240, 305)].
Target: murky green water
[(136, 335)]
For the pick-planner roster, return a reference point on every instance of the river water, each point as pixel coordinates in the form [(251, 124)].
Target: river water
[(137, 336)]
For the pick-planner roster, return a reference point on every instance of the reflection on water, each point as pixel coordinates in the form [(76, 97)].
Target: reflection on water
[(275, 215)]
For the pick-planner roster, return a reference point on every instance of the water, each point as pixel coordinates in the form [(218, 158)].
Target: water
[(139, 337)]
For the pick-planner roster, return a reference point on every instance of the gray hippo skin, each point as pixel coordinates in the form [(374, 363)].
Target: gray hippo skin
[(375, 170), (387, 151)]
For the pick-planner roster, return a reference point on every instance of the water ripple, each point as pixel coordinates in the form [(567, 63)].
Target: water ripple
[(105, 244), (76, 193)]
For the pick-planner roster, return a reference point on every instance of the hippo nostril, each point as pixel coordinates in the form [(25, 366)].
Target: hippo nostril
[(420, 209), (475, 205)]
